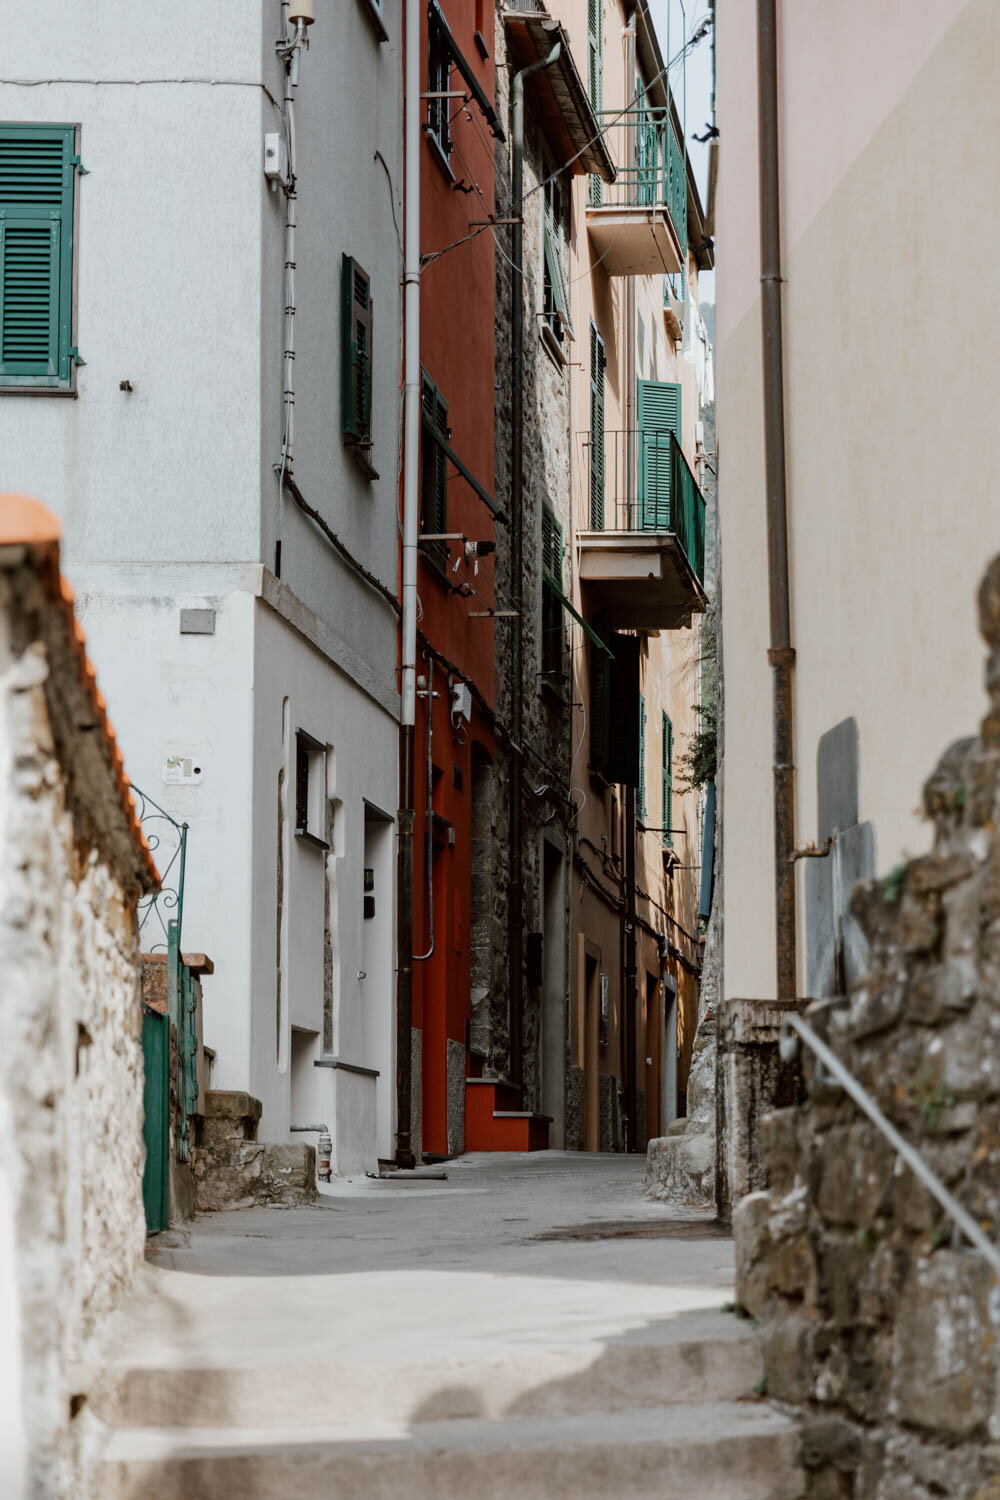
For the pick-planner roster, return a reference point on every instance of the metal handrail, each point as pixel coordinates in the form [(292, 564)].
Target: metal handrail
[(166, 903), (966, 1223)]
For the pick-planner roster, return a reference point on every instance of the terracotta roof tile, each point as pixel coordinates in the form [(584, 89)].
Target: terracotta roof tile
[(28, 523)]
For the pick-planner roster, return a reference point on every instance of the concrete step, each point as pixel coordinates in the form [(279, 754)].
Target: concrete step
[(691, 1358), (493, 1121), (717, 1451)]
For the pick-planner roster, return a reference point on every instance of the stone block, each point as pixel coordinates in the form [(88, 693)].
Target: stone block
[(288, 1175), (781, 1131), (788, 1357), (751, 1241), (944, 1367), (857, 1168), (831, 1443)]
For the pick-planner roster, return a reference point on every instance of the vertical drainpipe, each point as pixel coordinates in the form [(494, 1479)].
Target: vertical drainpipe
[(408, 643), (629, 956), (781, 655), (515, 976)]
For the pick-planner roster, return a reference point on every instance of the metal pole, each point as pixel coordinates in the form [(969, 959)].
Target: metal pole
[(515, 973), (781, 655), (408, 643)]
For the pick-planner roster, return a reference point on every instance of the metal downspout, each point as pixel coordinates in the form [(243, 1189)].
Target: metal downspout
[(515, 978), (408, 641), (781, 654)]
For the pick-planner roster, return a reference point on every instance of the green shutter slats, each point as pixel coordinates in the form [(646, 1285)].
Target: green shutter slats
[(552, 248), (356, 352), (668, 783), (36, 254), (659, 415), (597, 369), (595, 72)]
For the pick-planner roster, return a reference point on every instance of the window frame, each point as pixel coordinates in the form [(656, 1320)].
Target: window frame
[(309, 784), (440, 62), (63, 381), (553, 634), (434, 406)]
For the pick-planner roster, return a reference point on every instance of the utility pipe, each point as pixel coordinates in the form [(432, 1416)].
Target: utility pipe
[(408, 641), (515, 980), (429, 829), (781, 655), (290, 55)]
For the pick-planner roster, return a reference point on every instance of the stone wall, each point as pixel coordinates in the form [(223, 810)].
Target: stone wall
[(72, 869), (546, 702), (878, 1330)]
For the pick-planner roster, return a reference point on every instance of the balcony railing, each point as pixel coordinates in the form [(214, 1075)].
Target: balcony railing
[(640, 481), (649, 164)]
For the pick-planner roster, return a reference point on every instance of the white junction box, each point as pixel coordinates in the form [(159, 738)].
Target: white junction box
[(181, 770), (275, 157)]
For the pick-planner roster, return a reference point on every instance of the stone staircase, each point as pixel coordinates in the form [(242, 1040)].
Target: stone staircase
[(493, 1121), (667, 1410), (232, 1169)]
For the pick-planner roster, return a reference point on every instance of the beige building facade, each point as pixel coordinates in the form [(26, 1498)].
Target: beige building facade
[(887, 129)]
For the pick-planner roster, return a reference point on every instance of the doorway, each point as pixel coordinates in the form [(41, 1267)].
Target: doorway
[(591, 1048), (553, 1049)]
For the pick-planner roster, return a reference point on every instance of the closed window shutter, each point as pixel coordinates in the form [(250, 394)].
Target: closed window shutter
[(552, 575), (595, 72), (434, 466), (552, 249), (37, 172), (640, 795), (597, 366), (668, 782), (659, 412), (356, 352)]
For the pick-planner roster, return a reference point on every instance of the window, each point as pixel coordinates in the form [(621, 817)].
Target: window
[(668, 783), (38, 165), (310, 789), (356, 362), (640, 791), (614, 711), (553, 638), (555, 292), (595, 72), (439, 62), (597, 368), (433, 467), (659, 412)]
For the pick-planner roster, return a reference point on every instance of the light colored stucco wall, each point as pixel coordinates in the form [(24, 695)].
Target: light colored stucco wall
[(892, 468)]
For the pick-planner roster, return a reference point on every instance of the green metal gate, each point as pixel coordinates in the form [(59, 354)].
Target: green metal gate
[(156, 1121)]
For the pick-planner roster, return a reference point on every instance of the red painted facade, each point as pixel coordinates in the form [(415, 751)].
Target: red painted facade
[(457, 353)]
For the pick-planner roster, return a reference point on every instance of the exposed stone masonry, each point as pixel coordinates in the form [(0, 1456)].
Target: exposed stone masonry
[(877, 1329)]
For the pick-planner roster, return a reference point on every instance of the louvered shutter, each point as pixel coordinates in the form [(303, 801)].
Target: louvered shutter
[(659, 412), (595, 72), (640, 795), (553, 641), (597, 366), (37, 172), (552, 546), (434, 465), (668, 782), (356, 341)]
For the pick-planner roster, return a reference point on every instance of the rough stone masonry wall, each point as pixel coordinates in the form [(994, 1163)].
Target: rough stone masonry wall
[(70, 1038), (546, 706), (878, 1331)]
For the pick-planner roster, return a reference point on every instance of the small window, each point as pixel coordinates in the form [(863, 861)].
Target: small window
[(310, 789), (433, 468), (439, 63), (555, 291), (668, 783), (356, 362), (37, 183), (553, 636)]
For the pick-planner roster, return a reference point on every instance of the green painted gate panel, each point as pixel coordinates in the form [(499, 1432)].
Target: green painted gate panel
[(156, 1118), (659, 413)]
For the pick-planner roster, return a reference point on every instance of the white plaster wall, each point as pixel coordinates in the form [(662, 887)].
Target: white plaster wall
[(892, 467), (362, 762), (172, 694)]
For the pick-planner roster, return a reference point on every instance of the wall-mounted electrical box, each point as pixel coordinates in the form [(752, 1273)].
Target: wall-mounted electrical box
[(461, 702), (275, 157)]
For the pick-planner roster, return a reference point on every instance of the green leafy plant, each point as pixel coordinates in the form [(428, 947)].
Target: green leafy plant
[(698, 762), (891, 885)]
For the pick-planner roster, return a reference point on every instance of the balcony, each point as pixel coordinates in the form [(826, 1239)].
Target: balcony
[(638, 223), (642, 563)]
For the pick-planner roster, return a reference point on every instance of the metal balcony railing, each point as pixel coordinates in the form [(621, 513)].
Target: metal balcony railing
[(649, 164), (639, 480)]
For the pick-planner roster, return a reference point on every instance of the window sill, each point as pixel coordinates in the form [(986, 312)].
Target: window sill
[(481, 46), (373, 11), (360, 453), (439, 154), (552, 346), (39, 390), (311, 839)]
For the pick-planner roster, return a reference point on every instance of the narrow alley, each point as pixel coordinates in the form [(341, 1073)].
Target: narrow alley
[(517, 1325)]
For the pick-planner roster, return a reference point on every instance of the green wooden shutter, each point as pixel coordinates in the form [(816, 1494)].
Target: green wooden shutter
[(37, 175), (356, 351), (434, 464), (659, 413), (668, 783), (597, 367), (595, 72), (156, 1120), (553, 642), (640, 795)]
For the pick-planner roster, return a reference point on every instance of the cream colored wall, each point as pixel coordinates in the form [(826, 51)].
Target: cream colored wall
[(892, 463)]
